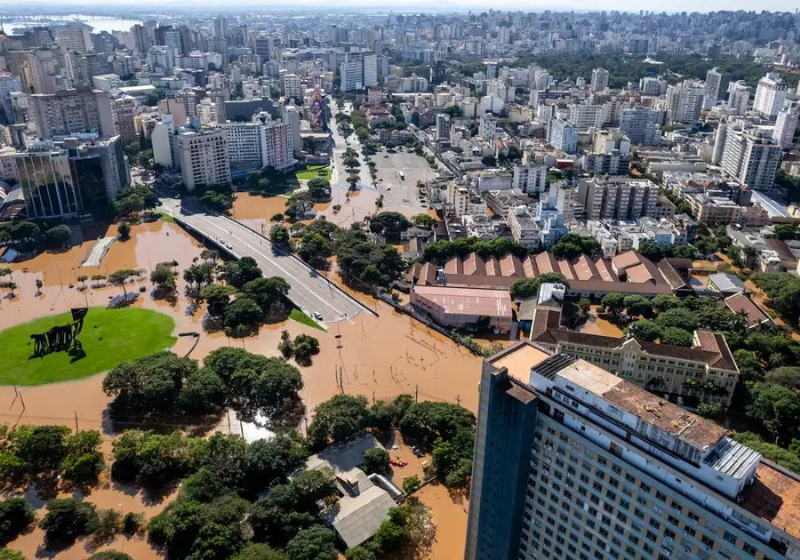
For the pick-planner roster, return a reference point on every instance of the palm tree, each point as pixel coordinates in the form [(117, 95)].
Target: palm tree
[(82, 279), (39, 285)]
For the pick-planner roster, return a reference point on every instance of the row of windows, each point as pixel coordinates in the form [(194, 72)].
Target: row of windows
[(606, 485)]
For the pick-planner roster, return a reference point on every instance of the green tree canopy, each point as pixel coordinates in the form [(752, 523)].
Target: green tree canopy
[(679, 318), (16, 515), (529, 287), (240, 272), (218, 297), (775, 407), (66, 520), (338, 419), (676, 337), (645, 330)]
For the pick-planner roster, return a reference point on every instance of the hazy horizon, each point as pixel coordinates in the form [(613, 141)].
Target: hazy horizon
[(405, 5)]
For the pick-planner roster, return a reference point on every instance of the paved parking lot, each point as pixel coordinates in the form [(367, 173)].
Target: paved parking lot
[(402, 194)]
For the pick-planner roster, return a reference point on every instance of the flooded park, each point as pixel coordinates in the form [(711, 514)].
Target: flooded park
[(377, 355)]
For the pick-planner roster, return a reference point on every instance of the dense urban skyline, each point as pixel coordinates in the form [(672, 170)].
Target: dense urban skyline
[(404, 279)]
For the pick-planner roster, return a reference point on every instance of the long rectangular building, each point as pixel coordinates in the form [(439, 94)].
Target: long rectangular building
[(627, 273), (706, 372), (573, 462)]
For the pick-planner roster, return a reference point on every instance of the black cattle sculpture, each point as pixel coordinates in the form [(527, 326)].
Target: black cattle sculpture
[(60, 337)]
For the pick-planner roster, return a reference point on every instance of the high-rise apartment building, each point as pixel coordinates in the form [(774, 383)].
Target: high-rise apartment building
[(258, 144), (786, 125), (739, 96), (163, 141), (39, 71), (684, 102), (652, 86), (203, 156), (770, 95), (123, 107), (351, 74), (443, 127), (359, 71), (751, 159), (290, 115), (639, 124), (617, 198), (572, 461), (292, 86), (370, 61), (74, 37), (716, 86), (486, 126), (599, 80), (563, 135), (586, 116), (72, 111), (529, 178)]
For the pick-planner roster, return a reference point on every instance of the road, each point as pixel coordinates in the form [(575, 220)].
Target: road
[(310, 290), (340, 144)]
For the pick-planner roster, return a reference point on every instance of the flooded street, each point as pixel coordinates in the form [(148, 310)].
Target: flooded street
[(378, 357)]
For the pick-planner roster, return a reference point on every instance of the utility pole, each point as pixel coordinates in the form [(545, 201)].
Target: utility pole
[(416, 394), (76, 420)]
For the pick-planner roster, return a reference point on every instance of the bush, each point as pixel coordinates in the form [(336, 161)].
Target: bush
[(259, 551), (10, 554), (314, 543), (712, 411), (68, 519), (16, 515), (110, 555), (305, 346), (132, 523), (411, 484), (109, 523), (338, 419), (427, 421), (124, 230), (376, 460)]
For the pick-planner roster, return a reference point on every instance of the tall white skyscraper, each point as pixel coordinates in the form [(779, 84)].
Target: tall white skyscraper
[(715, 87), (739, 96), (203, 155), (770, 95), (684, 102), (563, 135), (370, 70), (786, 124), (751, 159), (572, 461)]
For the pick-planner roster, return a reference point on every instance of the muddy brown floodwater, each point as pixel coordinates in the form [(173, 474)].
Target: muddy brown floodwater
[(596, 325), (378, 357)]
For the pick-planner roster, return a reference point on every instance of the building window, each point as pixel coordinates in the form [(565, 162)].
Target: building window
[(749, 549)]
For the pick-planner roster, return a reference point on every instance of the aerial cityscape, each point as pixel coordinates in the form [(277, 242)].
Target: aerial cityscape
[(456, 281)]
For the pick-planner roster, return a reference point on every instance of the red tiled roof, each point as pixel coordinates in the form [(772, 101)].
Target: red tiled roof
[(740, 302)]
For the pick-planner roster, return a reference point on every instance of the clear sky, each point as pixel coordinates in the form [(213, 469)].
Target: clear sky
[(451, 5)]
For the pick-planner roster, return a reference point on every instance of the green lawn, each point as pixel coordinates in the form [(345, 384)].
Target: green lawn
[(300, 317), (109, 337), (312, 172), (166, 218)]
